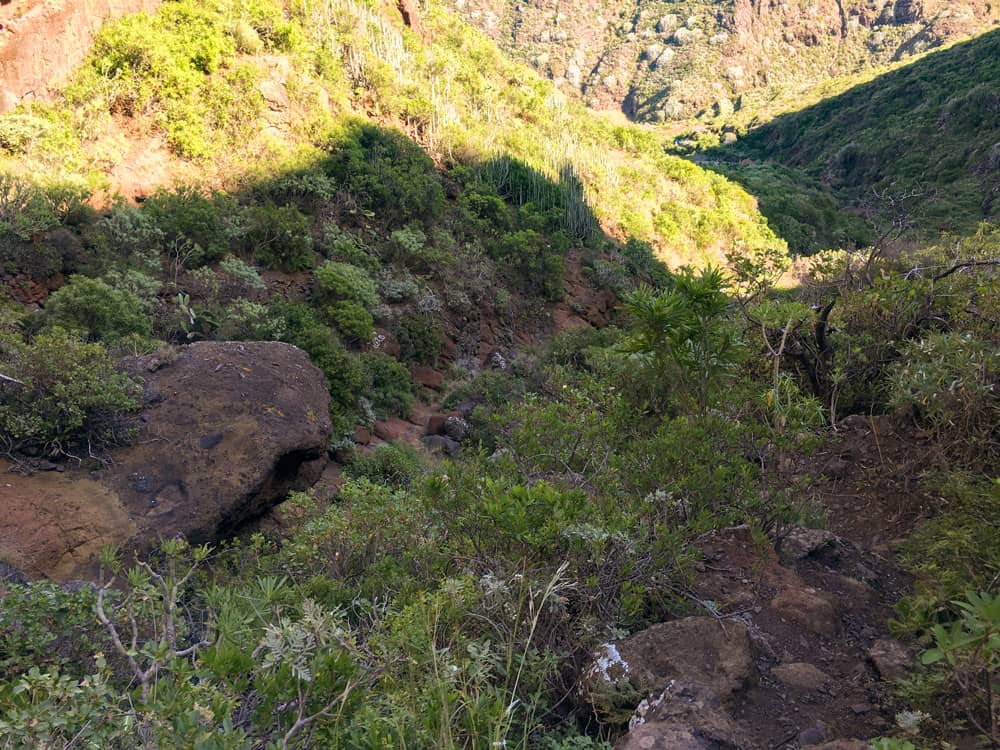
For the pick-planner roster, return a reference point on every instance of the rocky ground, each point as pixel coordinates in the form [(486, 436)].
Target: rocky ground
[(791, 647)]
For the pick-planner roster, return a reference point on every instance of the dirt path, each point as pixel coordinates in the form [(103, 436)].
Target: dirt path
[(818, 606)]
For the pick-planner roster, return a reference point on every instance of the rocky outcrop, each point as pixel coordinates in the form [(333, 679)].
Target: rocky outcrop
[(43, 41), (228, 429), (697, 59)]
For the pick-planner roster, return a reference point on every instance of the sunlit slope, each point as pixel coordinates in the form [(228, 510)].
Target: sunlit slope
[(219, 90)]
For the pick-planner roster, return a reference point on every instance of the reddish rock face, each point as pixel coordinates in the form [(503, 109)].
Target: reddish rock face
[(427, 377), (43, 41)]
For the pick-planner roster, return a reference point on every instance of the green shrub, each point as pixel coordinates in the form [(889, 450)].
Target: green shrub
[(394, 465), (97, 309), (642, 261), (242, 273), (387, 172), (680, 333), (134, 237), (279, 238), (69, 392), (420, 338), (948, 382), (535, 260), (390, 388), (337, 244), (297, 324), (336, 282), (193, 224), (23, 208), (409, 247), (353, 321)]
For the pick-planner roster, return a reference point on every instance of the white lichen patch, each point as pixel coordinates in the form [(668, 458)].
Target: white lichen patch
[(609, 665)]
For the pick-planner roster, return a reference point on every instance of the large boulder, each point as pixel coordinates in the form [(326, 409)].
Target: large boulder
[(227, 431)]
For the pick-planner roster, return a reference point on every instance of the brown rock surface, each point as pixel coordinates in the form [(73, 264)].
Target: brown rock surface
[(228, 430), (807, 608), (801, 676), (891, 658), (695, 649)]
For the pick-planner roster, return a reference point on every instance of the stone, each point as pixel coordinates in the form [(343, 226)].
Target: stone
[(362, 435), (801, 676), (807, 608), (667, 737), (891, 658), (437, 423), (843, 745), (456, 428), (390, 430), (441, 444), (235, 427), (696, 649), (427, 377), (688, 705), (670, 737), (814, 735), (800, 543), (667, 23)]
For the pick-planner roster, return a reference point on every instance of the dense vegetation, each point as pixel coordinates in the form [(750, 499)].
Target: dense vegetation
[(452, 603), (913, 148), (199, 75)]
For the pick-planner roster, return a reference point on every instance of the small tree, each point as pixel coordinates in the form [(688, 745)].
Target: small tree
[(679, 331)]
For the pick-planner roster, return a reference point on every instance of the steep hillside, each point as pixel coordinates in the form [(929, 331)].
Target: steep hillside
[(676, 60), (914, 148), (196, 95), (338, 290)]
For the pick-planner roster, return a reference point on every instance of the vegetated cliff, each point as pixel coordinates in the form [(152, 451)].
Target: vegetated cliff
[(917, 148), (160, 100), (43, 41), (673, 60)]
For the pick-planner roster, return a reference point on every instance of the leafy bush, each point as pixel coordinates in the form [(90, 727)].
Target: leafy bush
[(352, 320), (135, 237), (394, 465), (680, 332), (390, 388), (44, 625), (69, 393), (297, 324), (195, 225), (27, 207), (241, 272), (420, 338), (409, 246), (337, 244), (97, 310), (336, 282), (536, 261), (386, 172), (969, 649), (279, 238), (948, 382)]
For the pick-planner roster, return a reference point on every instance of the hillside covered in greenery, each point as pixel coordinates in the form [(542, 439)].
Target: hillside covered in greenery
[(914, 145), (254, 91), (574, 497)]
